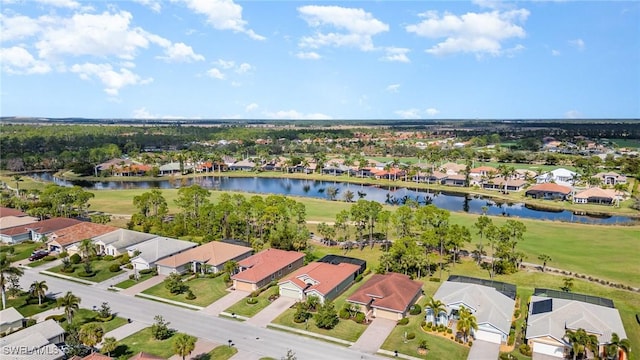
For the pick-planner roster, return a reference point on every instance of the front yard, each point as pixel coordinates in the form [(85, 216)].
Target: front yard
[(28, 306), (129, 282), (85, 316), (143, 341), (20, 251), (243, 308), (207, 290), (100, 269)]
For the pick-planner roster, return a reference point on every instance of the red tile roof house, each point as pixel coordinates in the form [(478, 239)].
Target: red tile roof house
[(260, 269), (548, 191), (14, 235), (42, 229), (67, 238), (324, 280), (213, 254), (5, 211), (387, 296)]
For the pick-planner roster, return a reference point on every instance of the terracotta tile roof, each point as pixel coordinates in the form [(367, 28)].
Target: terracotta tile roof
[(511, 182), (79, 232), (97, 356), (391, 291), (145, 356), (213, 253), (597, 193), (5, 211), (54, 224), (325, 276), (16, 230), (488, 169), (551, 187), (265, 263)]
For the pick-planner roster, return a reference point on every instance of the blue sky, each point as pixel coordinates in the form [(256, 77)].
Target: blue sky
[(220, 59)]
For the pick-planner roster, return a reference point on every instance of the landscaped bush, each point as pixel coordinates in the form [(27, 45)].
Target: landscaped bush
[(511, 340), (255, 293), (506, 356), (63, 255), (190, 295), (411, 336), (129, 266), (449, 331), (145, 271), (359, 318), (57, 318), (75, 259), (415, 309), (525, 350), (470, 343), (344, 314), (132, 277), (366, 272), (403, 321), (124, 259), (68, 270), (516, 313), (114, 268), (423, 344), (252, 301), (49, 258), (429, 325), (86, 274), (359, 278), (107, 258), (104, 319)]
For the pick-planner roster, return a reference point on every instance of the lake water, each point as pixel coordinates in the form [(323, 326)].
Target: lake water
[(318, 189)]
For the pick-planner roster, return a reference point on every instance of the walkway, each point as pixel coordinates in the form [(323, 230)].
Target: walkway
[(225, 302), (40, 317), (137, 288), (375, 335), (484, 350), (126, 330), (202, 348), (268, 314), (114, 280)]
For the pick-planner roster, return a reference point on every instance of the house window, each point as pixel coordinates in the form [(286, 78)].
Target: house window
[(289, 267), (273, 276)]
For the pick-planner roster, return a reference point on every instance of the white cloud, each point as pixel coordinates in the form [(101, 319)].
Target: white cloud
[(17, 60), (310, 55), (577, 43), (394, 88), (251, 107), (244, 68), (408, 113), (477, 33), (215, 73), (432, 111), (295, 115), (61, 3), (396, 54), (225, 64), (18, 27), (555, 52), (112, 80), (572, 114), (356, 26), (154, 5), (143, 113), (222, 15), (180, 52)]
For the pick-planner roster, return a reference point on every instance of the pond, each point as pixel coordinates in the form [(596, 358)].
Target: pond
[(322, 189)]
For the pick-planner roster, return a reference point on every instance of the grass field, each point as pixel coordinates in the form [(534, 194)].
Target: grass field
[(221, 352), (242, 308), (143, 341), (85, 316), (206, 290), (21, 251), (100, 269), (129, 282), (28, 306)]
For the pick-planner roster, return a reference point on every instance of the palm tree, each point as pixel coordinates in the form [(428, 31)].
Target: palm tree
[(617, 345), (39, 289), (70, 303), (17, 179), (545, 259), (108, 345), (437, 307), (91, 334), (466, 322), (580, 341), (6, 269), (87, 249), (348, 196), (183, 344)]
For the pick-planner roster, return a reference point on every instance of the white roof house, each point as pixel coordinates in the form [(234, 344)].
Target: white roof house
[(36, 342), (549, 318), (10, 320), (156, 249), (559, 176), (116, 242)]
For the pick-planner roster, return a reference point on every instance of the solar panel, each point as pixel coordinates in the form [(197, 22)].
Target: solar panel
[(540, 307)]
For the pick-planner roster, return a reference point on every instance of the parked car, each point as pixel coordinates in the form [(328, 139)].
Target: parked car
[(37, 255)]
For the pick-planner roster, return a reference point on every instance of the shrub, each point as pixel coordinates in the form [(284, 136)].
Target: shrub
[(423, 323), (75, 259), (434, 279), (359, 278), (255, 293), (516, 313), (360, 317), (63, 255), (227, 277), (403, 321), (252, 301), (511, 340), (30, 322), (132, 277), (57, 318), (49, 258), (114, 268), (108, 258), (129, 266), (429, 325), (525, 350), (423, 344), (145, 271), (190, 295), (344, 314), (449, 331), (470, 343), (411, 336), (104, 319), (124, 259), (415, 309)]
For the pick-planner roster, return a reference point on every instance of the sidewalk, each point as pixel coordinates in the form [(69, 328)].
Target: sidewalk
[(225, 302), (272, 311), (114, 280), (137, 288), (202, 348)]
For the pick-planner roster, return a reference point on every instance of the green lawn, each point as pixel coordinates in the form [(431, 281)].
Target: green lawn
[(21, 251), (346, 329), (143, 341), (100, 268), (28, 306), (206, 290), (222, 352), (242, 308), (85, 316), (129, 282)]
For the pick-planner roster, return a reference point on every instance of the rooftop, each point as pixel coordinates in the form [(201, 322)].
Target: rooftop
[(5, 211), (79, 232), (551, 187), (213, 253), (53, 224), (391, 291), (322, 277), (265, 263), (7, 222)]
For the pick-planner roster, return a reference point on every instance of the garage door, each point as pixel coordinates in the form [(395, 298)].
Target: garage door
[(243, 286), (386, 314), (290, 293), (546, 349), (488, 336)]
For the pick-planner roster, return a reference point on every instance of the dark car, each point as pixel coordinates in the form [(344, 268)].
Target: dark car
[(38, 255)]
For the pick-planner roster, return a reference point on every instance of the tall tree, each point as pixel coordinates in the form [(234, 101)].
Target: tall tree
[(38, 289), (70, 303), (482, 224), (109, 344), (545, 259), (6, 270), (466, 322), (91, 334), (183, 345), (437, 307)]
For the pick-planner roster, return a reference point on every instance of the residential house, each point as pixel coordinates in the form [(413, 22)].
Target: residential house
[(525, 174), (611, 178), (7, 222), (67, 238), (455, 180), (10, 320), (243, 165), (512, 185), (34, 342), (491, 302), (144, 255), (324, 280), (175, 168), (260, 269), (549, 191), (14, 235), (42, 229), (387, 296), (551, 313), (132, 170), (5, 211), (596, 195), (452, 168), (391, 174), (116, 242), (337, 169), (110, 166), (209, 257), (435, 177), (483, 171), (559, 176)]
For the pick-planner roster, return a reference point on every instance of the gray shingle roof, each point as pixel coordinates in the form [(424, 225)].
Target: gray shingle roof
[(10, 315), (160, 247), (123, 238)]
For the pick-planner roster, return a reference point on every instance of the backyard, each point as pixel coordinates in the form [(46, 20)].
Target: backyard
[(207, 290)]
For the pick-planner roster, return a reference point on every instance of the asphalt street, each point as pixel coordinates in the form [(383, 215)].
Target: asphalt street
[(246, 337)]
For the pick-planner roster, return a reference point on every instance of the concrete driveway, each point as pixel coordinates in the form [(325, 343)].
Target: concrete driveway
[(484, 350), (140, 287), (268, 314), (225, 302), (375, 334)]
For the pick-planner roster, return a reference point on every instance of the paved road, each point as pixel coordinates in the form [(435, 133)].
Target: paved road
[(251, 340)]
